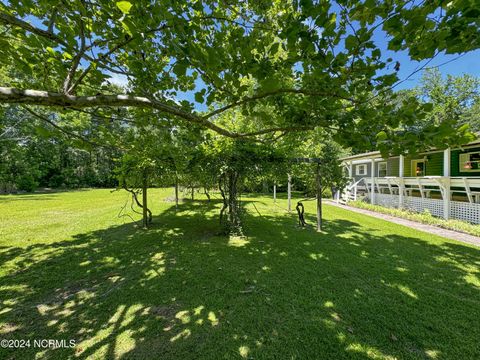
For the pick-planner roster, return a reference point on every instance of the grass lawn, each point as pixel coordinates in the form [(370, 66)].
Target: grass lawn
[(363, 289)]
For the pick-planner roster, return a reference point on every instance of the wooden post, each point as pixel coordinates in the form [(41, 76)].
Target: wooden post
[(446, 182), (144, 199), (350, 169), (319, 199), (401, 185), (372, 178), (275, 192), (289, 192), (176, 192)]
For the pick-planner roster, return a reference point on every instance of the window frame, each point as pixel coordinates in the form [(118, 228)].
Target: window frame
[(363, 166), (413, 169), (460, 164), (386, 168)]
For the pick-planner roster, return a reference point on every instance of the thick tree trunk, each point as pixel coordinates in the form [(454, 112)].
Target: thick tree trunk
[(319, 199), (221, 187), (228, 185)]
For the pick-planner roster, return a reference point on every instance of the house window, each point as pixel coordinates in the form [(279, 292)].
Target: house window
[(362, 169), (470, 162), (418, 167), (382, 169)]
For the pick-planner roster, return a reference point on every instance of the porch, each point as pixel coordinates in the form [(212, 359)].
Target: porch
[(443, 196)]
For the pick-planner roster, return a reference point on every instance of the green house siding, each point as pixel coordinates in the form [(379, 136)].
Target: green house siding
[(434, 164), (455, 163), (393, 167)]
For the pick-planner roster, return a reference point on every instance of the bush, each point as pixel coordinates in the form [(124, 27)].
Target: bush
[(424, 217), (27, 183)]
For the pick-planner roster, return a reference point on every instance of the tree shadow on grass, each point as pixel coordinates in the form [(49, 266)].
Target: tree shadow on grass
[(181, 291)]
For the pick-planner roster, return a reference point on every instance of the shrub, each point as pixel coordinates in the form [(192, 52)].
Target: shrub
[(27, 183), (424, 217)]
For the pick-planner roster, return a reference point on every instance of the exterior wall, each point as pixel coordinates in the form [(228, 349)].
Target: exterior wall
[(433, 164), (393, 166), (455, 163), (368, 174)]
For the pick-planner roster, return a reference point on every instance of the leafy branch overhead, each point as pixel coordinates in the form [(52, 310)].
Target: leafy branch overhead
[(316, 63)]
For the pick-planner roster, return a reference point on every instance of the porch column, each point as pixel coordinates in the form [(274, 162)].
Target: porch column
[(372, 178), (289, 192), (446, 182), (401, 185), (350, 169)]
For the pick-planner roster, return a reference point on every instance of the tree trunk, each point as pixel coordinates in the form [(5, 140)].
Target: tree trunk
[(319, 199), (193, 193)]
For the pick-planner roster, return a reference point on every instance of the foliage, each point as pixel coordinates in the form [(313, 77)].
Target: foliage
[(320, 146), (316, 64), (35, 153), (424, 218)]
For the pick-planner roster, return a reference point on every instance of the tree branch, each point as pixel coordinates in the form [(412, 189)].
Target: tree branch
[(49, 99), (67, 88), (45, 98), (11, 20), (272, 93)]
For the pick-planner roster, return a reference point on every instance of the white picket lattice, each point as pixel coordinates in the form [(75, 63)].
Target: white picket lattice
[(458, 209), (386, 200), (465, 211), (434, 206)]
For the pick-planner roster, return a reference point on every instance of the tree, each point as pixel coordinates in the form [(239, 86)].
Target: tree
[(454, 98), (326, 57)]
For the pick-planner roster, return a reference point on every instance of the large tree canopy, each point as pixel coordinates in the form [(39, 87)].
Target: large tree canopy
[(319, 58)]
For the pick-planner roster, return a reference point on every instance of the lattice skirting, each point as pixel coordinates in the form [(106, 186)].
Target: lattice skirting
[(465, 211), (434, 206), (386, 200), (458, 209)]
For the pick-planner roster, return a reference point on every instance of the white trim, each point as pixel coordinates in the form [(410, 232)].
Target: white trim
[(361, 166), (460, 163)]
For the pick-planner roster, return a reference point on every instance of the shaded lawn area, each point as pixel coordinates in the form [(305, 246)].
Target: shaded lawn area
[(363, 289)]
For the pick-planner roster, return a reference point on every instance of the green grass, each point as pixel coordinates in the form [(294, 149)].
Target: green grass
[(362, 289)]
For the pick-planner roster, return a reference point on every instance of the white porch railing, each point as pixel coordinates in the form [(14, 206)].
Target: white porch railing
[(399, 192)]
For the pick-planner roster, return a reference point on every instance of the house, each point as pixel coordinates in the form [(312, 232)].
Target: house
[(444, 182)]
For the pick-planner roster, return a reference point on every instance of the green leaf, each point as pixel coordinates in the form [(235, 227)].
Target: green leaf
[(350, 42), (124, 6), (67, 56), (199, 96), (382, 136)]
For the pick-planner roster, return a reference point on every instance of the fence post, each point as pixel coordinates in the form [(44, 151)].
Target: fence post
[(446, 182), (372, 178), (289, 192), (401, 185)]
